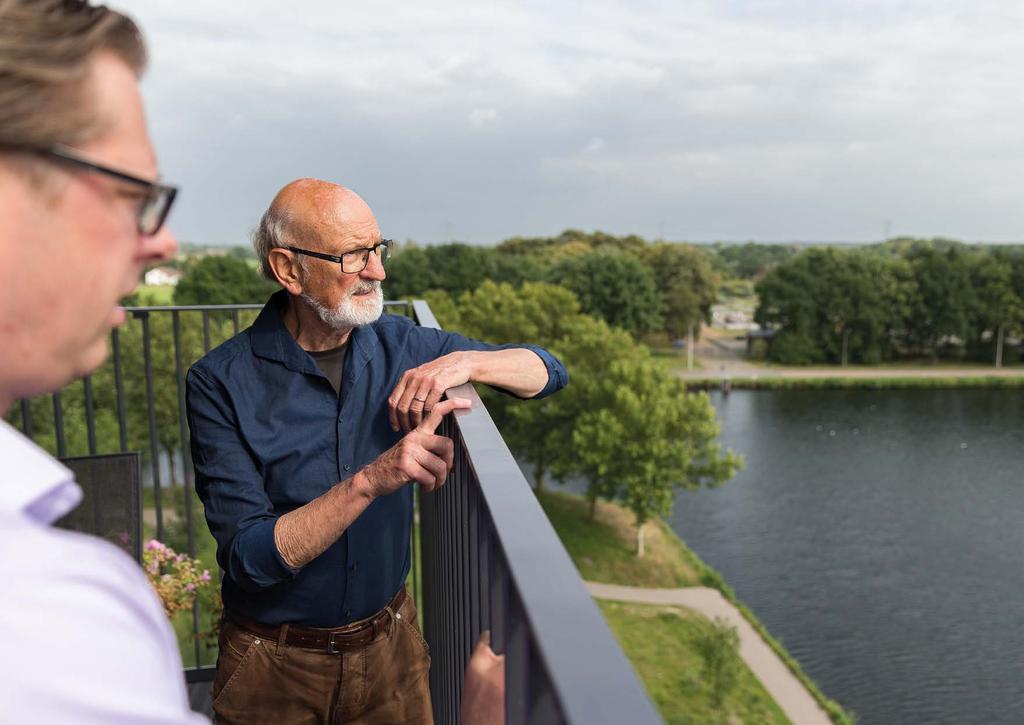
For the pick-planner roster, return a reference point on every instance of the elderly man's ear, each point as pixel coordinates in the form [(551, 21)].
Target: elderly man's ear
[(286, 268)]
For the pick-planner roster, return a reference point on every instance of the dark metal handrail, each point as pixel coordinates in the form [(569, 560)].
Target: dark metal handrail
[(492, 560)]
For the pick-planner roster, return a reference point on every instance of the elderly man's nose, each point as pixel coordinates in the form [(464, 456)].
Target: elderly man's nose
[(374, 268)]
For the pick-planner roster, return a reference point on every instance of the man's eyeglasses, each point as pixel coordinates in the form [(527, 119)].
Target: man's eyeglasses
[(354, 261), (154, 205)]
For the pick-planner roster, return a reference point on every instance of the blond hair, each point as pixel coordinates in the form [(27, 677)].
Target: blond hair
[(45, 51)]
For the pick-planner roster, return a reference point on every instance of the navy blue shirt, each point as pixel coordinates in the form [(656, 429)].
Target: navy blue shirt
[(270, 434)]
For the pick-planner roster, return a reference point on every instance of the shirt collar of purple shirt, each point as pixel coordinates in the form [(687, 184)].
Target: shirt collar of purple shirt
[(35, 483)]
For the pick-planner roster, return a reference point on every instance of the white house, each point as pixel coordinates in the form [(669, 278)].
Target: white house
[(162, 275)]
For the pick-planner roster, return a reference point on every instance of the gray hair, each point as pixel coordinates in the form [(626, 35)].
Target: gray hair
[(273, 231)]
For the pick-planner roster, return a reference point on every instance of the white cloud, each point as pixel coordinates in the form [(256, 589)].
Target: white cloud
[(480, 116), (761, 119)]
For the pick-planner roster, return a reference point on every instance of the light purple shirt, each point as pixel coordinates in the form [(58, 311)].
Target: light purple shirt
[(83, 637)]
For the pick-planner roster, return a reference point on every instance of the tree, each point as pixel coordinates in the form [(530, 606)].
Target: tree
[(222, 280), (623, 423), (752, 260), (997, 308), (643, 435), (615, 286), (718, 645), (453, 268), (687, 282), (539, 431), (829, 305), (944, 298)]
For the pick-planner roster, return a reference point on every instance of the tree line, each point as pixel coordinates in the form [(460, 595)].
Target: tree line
[(903, 299), (638, 286)]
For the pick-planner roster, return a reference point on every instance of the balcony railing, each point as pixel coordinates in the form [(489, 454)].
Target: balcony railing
[(490, 558)]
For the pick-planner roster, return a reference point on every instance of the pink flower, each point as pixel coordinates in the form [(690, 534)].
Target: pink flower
[(205, 576)]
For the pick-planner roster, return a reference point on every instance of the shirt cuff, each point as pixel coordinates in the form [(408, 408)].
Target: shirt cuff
[(558, 376), (261, 563)]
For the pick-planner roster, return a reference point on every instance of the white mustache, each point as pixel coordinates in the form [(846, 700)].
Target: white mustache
[(365, 287)]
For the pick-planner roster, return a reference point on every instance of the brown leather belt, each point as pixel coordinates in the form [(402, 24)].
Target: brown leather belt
[(333, 641)]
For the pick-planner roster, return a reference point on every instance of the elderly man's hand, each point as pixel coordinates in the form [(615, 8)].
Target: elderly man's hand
[(420, 456), (420, 389)]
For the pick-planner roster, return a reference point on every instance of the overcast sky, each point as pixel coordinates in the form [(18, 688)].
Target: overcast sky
[(820, 120)]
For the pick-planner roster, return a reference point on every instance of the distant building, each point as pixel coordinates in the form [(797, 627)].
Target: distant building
[(162, 275)]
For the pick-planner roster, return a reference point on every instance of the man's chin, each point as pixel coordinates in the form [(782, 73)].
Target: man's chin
[(91, 358), (370, 307)]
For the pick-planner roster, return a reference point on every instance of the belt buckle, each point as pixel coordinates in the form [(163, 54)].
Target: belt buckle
[(331, 649)]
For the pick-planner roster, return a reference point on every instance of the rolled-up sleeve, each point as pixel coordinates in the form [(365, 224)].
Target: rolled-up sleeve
[(239, 512), (558, 376)]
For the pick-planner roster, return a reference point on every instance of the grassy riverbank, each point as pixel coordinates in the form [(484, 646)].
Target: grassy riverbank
[(603, 551), (659, 643)]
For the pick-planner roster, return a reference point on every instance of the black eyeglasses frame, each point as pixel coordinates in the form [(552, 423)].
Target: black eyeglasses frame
[(387, 244), (155, 206)]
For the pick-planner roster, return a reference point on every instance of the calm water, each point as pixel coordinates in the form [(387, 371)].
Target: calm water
[(880, 536)]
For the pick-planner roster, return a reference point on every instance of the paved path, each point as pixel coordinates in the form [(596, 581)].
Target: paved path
[(721, 355), (781, 683)]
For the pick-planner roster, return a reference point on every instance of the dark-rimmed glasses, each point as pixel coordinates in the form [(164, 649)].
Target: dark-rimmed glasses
[(153, 207), (353, 261)]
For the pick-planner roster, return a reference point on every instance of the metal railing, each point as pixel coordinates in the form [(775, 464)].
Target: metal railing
[(492, 561), (490, 558)]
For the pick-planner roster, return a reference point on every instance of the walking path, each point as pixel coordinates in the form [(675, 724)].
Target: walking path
[(777, 678), (722, 356)]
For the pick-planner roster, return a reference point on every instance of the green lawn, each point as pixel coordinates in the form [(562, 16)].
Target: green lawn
[(155, 295), (603, 548), (659, 641)]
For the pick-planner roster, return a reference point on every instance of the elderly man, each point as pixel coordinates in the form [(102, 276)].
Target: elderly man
[(85, 639), (297, 438)]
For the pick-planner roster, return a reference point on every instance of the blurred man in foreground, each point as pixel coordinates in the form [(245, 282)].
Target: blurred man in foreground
[(85, 639)]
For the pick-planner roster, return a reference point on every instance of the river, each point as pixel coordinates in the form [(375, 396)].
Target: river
[(879, 536)]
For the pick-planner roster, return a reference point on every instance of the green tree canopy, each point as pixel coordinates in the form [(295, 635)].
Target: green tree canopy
[(687, 282), (453, 268), (615, 286), (623, 423), (222, 280)]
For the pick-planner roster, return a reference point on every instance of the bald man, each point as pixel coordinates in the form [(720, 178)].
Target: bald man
[(307, 429)]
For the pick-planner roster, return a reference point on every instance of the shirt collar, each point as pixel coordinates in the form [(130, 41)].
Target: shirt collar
[(37, 485), (272, 340)]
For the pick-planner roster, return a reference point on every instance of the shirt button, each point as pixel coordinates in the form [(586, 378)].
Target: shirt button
[(352, 567), (348, 613), (348, 467)]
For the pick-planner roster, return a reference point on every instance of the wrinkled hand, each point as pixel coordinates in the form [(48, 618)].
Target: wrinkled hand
[(483, 693), (420, 456), (420, 389)]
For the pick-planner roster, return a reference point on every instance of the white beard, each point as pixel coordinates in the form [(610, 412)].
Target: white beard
[(351, 311)]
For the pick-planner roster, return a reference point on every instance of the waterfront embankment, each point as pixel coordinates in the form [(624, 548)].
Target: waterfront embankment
[(602, 550)]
